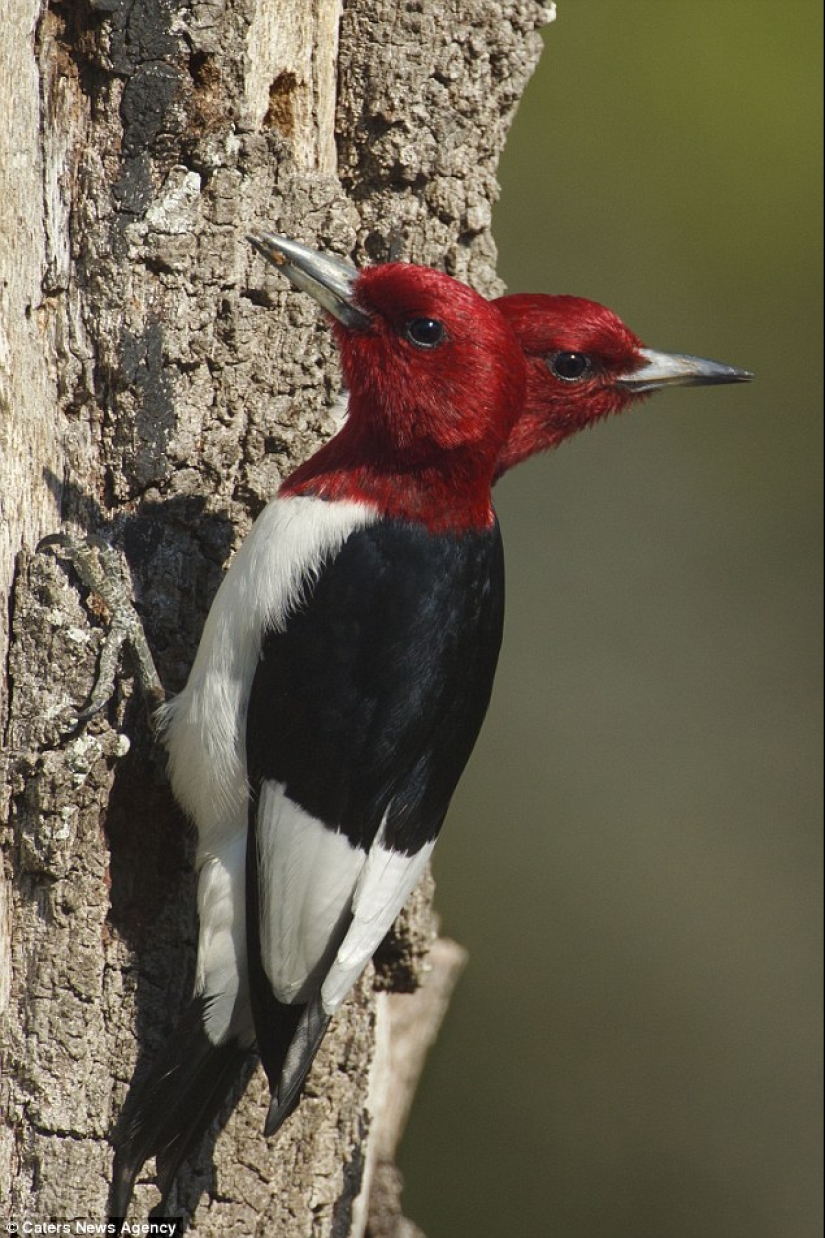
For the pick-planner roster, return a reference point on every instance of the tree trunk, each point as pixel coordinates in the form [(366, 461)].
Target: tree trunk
[(156, 383)]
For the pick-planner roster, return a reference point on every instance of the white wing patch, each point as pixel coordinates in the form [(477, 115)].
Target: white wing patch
[(385, 883), (307, 876), (325, 905)]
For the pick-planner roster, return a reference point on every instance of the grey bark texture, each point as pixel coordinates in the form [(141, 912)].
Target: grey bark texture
[(156, 383)]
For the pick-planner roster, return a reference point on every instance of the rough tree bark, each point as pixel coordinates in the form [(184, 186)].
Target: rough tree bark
[(155, 384)]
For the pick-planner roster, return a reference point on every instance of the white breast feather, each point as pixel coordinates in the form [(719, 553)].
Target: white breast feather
[(221, 972)]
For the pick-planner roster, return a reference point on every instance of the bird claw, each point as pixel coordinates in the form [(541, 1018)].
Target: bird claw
[(100, 568)]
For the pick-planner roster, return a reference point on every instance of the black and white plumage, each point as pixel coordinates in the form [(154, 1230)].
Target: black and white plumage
[(363, 712), (343, 675)]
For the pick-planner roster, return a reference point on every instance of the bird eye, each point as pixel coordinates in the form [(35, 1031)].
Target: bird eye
[(425, 332), (569, 366)]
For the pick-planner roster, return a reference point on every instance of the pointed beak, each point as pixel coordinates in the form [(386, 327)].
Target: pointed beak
[(673, 369), (330, 280)]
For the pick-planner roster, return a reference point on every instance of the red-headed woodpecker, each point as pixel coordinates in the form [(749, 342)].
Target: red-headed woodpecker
[(343, 675), (347, 662)]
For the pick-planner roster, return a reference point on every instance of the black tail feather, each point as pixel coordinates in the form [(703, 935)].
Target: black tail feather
[(167, 1112), (305, 1043)]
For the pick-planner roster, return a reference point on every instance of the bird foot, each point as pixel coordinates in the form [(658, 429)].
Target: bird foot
[(101, 569)]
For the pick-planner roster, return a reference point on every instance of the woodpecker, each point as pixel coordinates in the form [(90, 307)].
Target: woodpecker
[(347, 662), (342, 678)]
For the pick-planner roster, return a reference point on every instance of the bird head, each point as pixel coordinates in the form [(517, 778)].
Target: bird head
[(436, 379), (583, 364)]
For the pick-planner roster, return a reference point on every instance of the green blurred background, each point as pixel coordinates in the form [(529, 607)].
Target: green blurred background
[(633, 858)]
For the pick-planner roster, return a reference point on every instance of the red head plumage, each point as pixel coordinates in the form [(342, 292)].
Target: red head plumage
[(448, 391), (583, 364), (436, 380)]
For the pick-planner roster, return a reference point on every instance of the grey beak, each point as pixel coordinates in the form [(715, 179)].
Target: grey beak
[(330, 280), (673, 369)]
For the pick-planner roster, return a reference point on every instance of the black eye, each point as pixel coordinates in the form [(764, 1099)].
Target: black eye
[(425, 332), (569, 365)]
